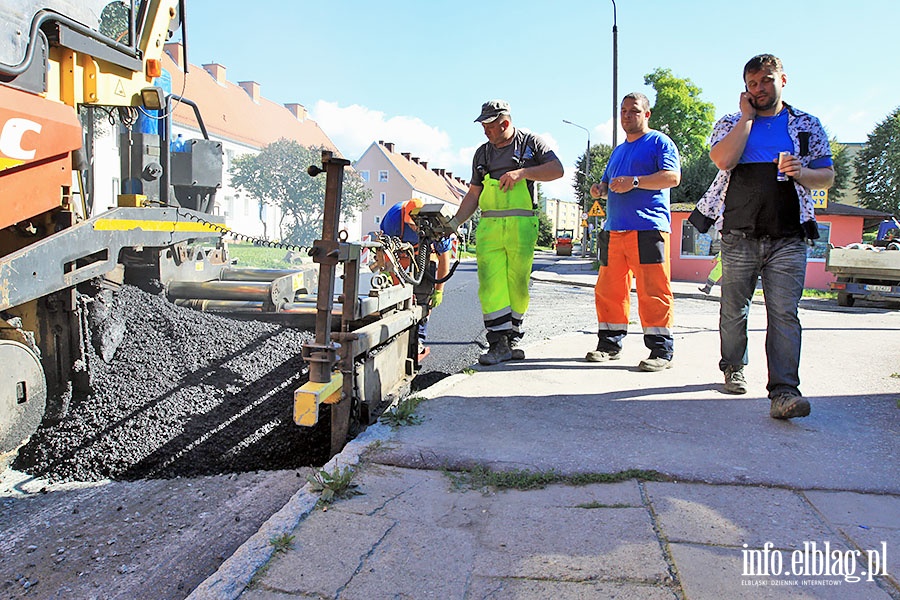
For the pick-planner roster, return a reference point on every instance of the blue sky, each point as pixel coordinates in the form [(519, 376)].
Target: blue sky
[(416, 72)]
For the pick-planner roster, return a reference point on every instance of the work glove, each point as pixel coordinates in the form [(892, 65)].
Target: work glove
[(437, 296)]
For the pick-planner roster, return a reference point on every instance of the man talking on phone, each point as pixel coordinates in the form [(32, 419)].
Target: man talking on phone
[(770, 155)]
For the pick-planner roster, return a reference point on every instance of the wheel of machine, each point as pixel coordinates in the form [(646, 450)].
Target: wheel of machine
[(845, 299), (23, 395)]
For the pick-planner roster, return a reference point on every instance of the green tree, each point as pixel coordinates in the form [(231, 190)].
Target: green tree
[(696, 175), (681, 114), (599, 157), (546, 235), (843, 170), (877, 165), (277, 176)]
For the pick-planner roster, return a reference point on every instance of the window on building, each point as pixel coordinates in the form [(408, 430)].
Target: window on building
[(817, 251), (382, 176), (383, 198), (378, 219), (698, 245), (364, 175)]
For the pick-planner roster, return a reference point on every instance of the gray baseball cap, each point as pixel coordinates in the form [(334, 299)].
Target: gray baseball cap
[(492, 109)]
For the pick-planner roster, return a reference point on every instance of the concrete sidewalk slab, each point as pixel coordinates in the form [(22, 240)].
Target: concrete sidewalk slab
[(556, 411)]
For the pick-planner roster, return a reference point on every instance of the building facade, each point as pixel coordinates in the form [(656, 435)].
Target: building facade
[(396, 176)]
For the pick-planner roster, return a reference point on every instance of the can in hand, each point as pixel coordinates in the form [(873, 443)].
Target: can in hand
[(782, 176)]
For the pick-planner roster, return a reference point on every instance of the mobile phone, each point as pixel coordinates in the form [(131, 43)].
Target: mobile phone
[(750, 99)]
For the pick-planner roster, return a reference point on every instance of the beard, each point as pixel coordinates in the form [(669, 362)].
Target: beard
[(769, 103)]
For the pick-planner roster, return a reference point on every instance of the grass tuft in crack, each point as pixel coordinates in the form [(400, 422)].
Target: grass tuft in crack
[(333, 486), (480, 478), (403, 413)]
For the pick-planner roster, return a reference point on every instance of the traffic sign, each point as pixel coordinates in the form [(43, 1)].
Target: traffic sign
[(596, 210)]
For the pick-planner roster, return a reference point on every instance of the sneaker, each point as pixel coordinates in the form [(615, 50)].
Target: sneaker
[(734, 380), (498, 352), (788, 406), (652, 364), (602, 356)]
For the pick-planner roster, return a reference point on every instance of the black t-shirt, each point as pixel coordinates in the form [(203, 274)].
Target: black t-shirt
[(759, 205), (525, 150)]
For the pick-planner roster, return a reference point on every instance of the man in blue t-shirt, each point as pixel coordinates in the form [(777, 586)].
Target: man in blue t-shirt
[(635, 240), (770, 156)]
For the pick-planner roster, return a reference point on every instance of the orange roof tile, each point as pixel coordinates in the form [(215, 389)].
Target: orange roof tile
[(421, 178)]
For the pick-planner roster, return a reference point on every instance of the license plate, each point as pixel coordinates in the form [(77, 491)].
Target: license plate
[(878, 288)]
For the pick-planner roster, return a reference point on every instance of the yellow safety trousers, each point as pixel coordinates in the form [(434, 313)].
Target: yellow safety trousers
[(505, 252)]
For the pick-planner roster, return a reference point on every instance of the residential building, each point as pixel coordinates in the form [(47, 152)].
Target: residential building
[(563, 214), (396, 176)]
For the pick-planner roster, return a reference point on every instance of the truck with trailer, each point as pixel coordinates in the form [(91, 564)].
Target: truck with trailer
[(867, 271)]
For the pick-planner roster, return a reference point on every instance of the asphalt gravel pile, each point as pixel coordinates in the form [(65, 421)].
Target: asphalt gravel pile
[(175, 392)]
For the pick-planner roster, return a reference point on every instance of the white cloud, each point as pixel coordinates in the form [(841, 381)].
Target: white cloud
[(354, 128)]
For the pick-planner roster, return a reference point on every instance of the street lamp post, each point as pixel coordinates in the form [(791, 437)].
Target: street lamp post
[(615, 82), (587, 172)]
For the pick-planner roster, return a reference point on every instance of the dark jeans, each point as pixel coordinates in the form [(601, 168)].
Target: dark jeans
[(782, 264)]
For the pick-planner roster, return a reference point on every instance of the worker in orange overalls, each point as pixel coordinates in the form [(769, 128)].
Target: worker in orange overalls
[(635, 239)]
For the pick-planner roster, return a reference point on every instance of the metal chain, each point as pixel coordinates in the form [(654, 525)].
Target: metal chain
[(241, 236)]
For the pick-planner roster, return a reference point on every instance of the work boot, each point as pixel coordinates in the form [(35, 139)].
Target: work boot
[(517, 353), (734, 380), (599, 355), (497, 353), (788, 406), (652, 364), (705, 289)]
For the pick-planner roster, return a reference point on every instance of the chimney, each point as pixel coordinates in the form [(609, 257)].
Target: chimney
[(389, 146), (298, 110), (252, 89), (405, 155), (176, 52), (217, 71)]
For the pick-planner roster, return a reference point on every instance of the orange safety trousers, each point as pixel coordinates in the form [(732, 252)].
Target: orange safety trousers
[(612, 293)]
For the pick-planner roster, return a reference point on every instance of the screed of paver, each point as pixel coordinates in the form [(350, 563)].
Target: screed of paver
[(872, 521), (529, 589), (735, 515), (713, 573), (324, 557), (557, 533)]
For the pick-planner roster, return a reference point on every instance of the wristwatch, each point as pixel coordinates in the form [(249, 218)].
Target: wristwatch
[(635, 182)]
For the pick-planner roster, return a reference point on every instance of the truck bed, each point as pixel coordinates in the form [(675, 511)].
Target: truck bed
[(864, 263)]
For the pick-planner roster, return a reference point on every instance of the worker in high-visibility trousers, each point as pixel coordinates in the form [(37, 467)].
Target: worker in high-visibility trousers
[(715, 274), (504, 170)]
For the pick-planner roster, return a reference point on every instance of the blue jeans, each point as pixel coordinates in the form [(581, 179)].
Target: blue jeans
[(782, 265)]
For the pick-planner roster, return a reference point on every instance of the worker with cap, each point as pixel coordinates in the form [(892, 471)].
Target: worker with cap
[(504, 170), (398, 222)]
